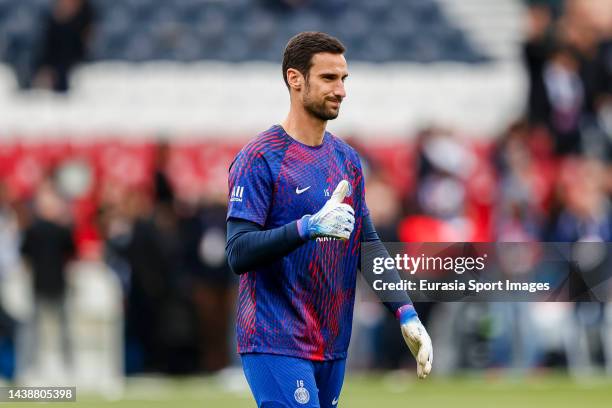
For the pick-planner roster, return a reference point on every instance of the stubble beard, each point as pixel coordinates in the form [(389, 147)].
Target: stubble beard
[(318, 109)]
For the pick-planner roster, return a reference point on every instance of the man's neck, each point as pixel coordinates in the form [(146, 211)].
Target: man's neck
[(304, 128)]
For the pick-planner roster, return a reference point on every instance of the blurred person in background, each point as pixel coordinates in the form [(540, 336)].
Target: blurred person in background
[(440, 200), (177, 325), (603, 98), (565, 99), (586, 26), (9, 234), (47, 246), (539, 39), (134, 238), (145, 246), (64, 44), (163, 193), (211, 283), (584, 29), (523, 188), (9, 265)]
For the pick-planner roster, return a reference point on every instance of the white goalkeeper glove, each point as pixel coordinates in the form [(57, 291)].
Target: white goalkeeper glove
[(335, 219), (417, 339)]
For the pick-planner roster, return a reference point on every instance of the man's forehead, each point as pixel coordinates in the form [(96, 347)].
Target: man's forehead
[(325, 61)]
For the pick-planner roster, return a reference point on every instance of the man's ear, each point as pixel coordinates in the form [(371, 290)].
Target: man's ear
[(295, 79)]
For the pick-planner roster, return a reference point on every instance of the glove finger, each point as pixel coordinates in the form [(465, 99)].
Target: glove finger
[(344, 235), (424, 360), (423, 355), (346, 208), (420, 371), (340, 191), (344, 218), (337, 233), (342, 212), (423, 370)]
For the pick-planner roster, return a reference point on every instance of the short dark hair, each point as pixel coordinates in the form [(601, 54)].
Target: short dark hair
[(301, 48)]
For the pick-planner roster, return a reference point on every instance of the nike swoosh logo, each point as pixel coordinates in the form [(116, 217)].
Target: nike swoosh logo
[(301, 190), (335, 401)]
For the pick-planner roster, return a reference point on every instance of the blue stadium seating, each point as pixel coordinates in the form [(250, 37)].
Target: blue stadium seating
[(242, 30)]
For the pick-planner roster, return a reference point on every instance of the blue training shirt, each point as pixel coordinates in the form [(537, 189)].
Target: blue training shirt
[(302, 304)]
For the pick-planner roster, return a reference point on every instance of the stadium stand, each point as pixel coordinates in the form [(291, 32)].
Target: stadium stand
[(242, 30), (178, 51)]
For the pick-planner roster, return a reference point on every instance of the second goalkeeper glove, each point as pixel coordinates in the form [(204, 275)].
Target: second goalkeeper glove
[(417, 339), (335, 219)]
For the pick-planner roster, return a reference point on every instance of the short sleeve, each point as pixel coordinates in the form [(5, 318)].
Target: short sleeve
[(250, 188)]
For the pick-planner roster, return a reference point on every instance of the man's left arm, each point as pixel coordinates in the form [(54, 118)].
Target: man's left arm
[(413, 331)]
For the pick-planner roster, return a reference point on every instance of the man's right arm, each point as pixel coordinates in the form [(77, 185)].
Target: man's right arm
[(249, 246)]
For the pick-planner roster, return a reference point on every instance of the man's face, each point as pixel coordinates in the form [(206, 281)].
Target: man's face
[(324, 86)]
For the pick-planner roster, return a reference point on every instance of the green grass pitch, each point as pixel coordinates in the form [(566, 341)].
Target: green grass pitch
[(374, 392)]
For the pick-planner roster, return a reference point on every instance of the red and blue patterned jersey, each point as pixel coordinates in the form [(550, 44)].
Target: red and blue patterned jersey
[(302, 304)]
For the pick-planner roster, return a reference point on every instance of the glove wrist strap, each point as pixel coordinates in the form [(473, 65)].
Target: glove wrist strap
[(302, 225), (405, 313)]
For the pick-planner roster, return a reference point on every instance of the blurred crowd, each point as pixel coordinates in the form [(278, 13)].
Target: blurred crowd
[(167, 252), (548, 177), (568, 55)]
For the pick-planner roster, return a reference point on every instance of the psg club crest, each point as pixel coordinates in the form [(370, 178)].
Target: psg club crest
[(301, 394)]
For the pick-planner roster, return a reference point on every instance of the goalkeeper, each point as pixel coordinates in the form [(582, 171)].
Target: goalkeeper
[(296, 219)]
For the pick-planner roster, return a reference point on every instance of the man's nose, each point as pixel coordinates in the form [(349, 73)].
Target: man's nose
[(339, 91)]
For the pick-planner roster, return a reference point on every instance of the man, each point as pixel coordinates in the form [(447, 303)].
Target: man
[(47, 246), (296, 219), (65, 42)]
